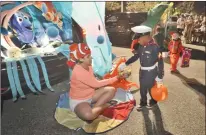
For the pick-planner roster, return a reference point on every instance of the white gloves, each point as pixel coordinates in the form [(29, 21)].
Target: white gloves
[(157, 79), (159, 82), (122, 66)]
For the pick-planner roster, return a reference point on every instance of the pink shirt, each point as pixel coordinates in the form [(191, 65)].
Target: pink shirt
[(84, 83)]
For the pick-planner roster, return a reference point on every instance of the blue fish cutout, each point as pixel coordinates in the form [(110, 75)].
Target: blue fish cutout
[(4, 31), (22, 25)]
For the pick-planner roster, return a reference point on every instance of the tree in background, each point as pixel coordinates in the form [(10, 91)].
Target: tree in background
[(130, 6), (197, 7), (112, 6), (179, 7), (183, 7), (140, 6)]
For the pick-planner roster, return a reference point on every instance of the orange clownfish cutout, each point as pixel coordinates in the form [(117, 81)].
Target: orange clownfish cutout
[(77, 51), (50, 14), (121, 83)]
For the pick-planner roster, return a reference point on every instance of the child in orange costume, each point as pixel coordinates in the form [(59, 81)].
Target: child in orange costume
[(175, 48)]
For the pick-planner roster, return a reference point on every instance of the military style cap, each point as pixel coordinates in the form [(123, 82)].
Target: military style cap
[(141, 30)]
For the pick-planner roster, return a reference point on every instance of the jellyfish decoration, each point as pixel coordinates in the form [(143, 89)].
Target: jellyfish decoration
[(14, 54)]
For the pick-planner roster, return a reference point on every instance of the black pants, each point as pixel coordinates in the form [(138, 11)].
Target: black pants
[(147, 80)]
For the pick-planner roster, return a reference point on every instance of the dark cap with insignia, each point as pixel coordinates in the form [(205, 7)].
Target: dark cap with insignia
[(141, 31)]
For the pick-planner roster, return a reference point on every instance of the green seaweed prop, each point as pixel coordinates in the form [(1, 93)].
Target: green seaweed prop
[(154, 15)]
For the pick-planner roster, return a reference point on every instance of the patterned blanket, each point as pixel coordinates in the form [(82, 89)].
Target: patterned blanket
[(109, 119)]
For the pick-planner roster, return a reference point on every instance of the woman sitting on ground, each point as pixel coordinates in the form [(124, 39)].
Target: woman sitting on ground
[(89, 96)]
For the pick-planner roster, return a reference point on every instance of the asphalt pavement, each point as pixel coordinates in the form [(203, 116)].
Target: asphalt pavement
[(183, 113)]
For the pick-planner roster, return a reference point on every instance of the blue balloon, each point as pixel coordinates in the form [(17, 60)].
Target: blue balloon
[(52, 32), (100, 39)]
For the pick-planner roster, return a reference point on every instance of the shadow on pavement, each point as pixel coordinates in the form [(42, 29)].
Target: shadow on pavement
[(192, 83), (197, 54), (199, 44), (154, 126), (166, 60), (35, 115)]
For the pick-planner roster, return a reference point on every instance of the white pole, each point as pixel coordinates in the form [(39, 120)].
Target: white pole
[(122, 6)]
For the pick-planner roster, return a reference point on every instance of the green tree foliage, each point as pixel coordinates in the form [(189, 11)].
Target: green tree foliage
[(184, 7), (111, 6), (140, 6)]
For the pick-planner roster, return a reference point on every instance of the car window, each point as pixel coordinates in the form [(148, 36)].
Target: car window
[(123, 23), (112, 19)]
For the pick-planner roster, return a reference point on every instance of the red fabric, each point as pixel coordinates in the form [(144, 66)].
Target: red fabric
[(120, 111)]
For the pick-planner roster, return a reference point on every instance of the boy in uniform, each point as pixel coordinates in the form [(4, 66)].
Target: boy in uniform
[(152, 66)]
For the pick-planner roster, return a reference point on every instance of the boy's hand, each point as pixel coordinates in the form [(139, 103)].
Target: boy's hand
[(122, 66), (133, 51), (159, 84)]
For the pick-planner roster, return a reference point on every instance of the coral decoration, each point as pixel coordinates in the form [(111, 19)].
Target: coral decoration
[(122, 82)]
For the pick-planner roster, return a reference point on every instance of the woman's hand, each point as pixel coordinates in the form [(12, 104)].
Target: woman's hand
[(124, 74), (120, 76)]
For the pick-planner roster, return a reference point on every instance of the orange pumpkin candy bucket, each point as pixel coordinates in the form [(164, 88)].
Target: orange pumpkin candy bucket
[(159, 94)]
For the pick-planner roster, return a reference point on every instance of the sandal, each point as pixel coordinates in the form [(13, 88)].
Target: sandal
[(112, 102)]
